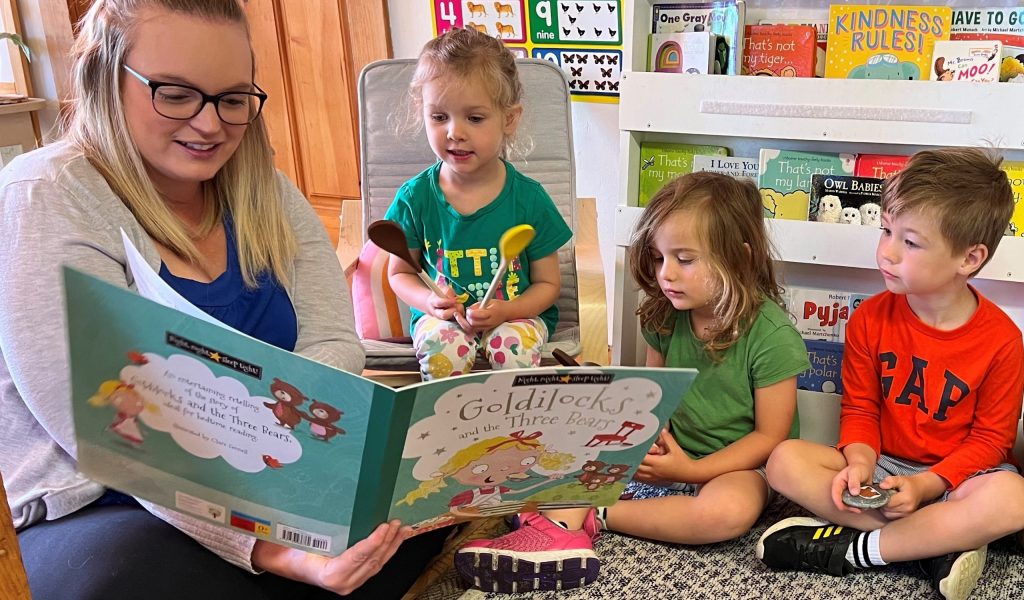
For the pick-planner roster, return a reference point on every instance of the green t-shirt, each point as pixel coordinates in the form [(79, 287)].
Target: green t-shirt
[(462, 250), (718, 409)]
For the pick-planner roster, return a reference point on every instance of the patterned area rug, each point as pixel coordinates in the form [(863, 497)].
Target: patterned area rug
[(633, 568)]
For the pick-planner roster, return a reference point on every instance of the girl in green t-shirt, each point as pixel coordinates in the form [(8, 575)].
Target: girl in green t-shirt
[(467, 93), (702, 256)]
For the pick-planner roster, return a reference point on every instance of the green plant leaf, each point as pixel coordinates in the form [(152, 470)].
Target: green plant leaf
[(17, 41)]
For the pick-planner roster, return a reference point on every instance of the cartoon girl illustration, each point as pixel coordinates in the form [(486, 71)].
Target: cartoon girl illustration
[(286, 409), (488, 464), (129, 404), (322, 419)]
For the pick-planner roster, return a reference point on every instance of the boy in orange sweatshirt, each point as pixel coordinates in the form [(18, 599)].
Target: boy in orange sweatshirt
[(934, 376)]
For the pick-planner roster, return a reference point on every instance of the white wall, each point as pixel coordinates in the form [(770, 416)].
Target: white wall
[(595, 134)]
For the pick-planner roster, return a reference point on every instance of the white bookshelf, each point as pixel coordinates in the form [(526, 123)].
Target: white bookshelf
[(746, 114)]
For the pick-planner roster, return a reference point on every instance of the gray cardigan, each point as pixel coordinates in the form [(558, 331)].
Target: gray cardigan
[(55, 208)]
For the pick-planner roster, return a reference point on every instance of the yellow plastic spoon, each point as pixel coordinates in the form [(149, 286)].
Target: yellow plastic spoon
[(512, 242)]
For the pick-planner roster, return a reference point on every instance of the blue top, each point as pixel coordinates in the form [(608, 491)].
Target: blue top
[(266, 312)]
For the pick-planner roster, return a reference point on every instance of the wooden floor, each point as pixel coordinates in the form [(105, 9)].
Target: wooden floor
[(589, 273)]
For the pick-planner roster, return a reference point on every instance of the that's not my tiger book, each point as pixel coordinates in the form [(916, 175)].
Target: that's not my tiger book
[(214, 424)]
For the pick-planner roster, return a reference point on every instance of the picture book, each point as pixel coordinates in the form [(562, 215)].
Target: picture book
[(1003, 24), (692, 52), (966, 60), (780, 50), (881, 166), (785, 179), (1012, 68), (735, 166), (214, 424), (815, 17), (1015, 171), (820, 314), (883, 42), (660, 162), (846, 199), (825, 374), (724, 18)]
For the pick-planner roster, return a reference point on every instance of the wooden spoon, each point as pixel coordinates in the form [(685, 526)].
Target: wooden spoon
[(389, 237), (512, 242)]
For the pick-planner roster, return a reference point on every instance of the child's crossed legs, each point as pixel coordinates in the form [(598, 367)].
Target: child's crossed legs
[(444, 349)]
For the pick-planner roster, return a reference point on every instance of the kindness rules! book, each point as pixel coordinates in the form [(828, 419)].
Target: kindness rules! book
[(882, 41), (214, 424)]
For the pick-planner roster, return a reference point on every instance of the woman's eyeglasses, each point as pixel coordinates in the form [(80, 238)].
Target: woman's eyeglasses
[(182, 102)]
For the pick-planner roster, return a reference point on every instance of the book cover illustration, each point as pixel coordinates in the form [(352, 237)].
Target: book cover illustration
[(1012, 68), (660, 162), (964, 60), (825, 374), (1015, 172), (815, 17), (846, 199), (820, 314), (214, 424), (879, 166), (780, 50), (1003, 24), (734, 166), (724, 18), (785, 179), (691, 52), (884, 42)]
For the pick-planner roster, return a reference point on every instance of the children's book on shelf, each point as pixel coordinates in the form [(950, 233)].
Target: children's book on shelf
[(724, 18), (735, 166), (660, 162), (691, 52), (214, 424), (846, 199), (884, 42), (817, 18), (821, 314), (780, 50), (825, 374), (966, 60), (1003, 24), (785, 179), (1015, 171), (881, 166)]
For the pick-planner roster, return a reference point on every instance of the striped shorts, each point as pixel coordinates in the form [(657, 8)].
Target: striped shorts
[(891, 465)]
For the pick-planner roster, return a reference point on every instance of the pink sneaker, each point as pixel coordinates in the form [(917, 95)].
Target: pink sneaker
[(538, 556)]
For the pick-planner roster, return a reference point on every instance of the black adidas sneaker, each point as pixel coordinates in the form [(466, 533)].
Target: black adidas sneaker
[(806, 544), (954, 575)]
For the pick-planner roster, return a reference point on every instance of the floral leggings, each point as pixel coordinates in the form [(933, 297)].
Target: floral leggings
[(444, 349)]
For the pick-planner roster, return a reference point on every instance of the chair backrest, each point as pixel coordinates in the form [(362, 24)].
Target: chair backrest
[(391, 157)]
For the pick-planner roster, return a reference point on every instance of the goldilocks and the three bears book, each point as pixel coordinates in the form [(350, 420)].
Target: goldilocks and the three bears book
[(214, 424)]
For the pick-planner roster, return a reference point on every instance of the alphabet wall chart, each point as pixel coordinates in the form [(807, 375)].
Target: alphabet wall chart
[(583, 37)]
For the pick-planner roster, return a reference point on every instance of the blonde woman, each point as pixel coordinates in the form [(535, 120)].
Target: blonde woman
[(163, 139)]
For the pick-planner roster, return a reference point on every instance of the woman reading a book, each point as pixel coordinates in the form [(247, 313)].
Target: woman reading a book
[(164, 140)]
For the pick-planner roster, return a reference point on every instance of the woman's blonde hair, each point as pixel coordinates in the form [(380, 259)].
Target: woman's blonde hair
[(246, 187), (739, 254)]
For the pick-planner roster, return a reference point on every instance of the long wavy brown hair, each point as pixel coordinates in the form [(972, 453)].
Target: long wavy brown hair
[(739, 254)]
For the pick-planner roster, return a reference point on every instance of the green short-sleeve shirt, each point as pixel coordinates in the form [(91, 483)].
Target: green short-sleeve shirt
[(718, 409), (462, 250)]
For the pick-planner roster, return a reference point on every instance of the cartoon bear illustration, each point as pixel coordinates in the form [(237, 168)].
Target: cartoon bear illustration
[(591, 477), (286, 409), (322, 419), (617, 472)]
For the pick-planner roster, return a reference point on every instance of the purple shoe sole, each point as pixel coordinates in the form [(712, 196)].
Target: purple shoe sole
[(507, 575)]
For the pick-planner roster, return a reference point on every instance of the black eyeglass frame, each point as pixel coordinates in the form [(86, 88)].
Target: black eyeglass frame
[(206, 98)]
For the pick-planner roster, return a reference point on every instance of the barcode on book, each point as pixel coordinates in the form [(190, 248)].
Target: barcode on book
[(303, 538)]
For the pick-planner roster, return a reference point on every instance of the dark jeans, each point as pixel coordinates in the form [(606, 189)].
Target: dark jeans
[(113, 551)]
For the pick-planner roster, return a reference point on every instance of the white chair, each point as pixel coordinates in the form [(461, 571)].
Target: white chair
[(389, 158)]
